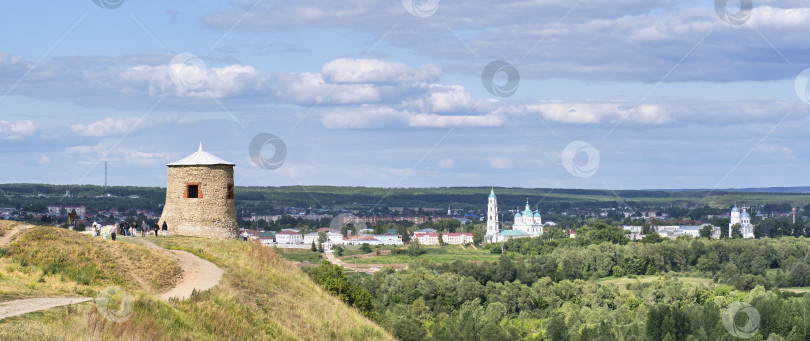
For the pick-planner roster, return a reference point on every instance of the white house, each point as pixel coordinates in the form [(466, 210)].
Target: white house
[(389, 239), (289, 237), (311, 237), (427, 238), (334, 238), (457, 238)]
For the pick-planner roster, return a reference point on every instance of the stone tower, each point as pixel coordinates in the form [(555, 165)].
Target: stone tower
[(199, 197)]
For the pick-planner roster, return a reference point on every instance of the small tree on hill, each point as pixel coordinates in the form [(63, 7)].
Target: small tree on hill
[(365, 248), (314, 248)]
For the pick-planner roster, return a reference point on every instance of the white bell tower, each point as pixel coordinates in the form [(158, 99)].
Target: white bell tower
[(492, 218)]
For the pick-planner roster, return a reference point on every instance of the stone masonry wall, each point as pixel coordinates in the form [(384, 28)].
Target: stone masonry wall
[(212, 215)]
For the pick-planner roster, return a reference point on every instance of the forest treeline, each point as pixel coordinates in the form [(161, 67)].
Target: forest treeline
[(542, 289)]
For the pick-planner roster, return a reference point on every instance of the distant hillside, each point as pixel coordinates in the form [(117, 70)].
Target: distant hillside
[(261, 296), (259, 199), (799, 189)]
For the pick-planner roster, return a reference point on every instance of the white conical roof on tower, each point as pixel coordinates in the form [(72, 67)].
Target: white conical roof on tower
[(200, 158)]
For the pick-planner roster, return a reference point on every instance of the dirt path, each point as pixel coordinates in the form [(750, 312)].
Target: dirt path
[(198, 273), (6, 238), (367, 268), (24, 306)]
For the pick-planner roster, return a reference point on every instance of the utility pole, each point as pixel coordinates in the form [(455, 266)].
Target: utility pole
[(105, 176)]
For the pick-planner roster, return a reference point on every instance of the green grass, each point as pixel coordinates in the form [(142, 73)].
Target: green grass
[(354, 250), (300, 255), (436, 254)]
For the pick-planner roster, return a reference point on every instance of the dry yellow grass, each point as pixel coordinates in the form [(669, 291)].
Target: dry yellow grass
[(87, 260), (261, 296), (6, 225)]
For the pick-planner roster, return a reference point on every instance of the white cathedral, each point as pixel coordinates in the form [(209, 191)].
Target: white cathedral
[(742, 218), (527, 224)]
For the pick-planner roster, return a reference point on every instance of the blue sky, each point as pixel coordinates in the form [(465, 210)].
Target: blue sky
[(620, 94)]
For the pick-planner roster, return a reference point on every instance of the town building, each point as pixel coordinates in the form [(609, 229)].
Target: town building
[(360, 240), (529, 221), (527, 224), (289, 237), (457, 238), (55, 210), (427, 238), (311, 237), (388, 239), (743, 219)]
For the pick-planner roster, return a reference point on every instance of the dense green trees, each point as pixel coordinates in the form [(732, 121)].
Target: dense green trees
[(544, 290)]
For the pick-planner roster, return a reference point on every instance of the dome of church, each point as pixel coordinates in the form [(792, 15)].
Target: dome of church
[(745, 215), (517, 215), (735, 209), (537, 215)]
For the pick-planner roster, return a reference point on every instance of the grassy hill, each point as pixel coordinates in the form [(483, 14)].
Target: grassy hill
[(261, 296)]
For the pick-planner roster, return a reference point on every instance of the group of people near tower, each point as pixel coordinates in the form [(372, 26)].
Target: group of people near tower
[(126, 229)]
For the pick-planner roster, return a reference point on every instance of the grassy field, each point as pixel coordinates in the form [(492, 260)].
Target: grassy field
[(261, 296), (622, 282), (300, 255), (797, 290), (436, 254)]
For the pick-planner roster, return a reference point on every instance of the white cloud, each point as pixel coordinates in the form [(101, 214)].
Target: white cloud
[(114, 126), (15, 130), (449, 98), (376, 71), (499, 162), (442, 121), (445, 163), (145, 158), (594, 112)]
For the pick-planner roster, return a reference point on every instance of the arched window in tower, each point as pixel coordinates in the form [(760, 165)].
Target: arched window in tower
[(230, 191)]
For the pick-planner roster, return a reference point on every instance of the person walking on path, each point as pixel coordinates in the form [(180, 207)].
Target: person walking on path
[(114, 230), (144, 227), (165, 228), (156, 229)]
